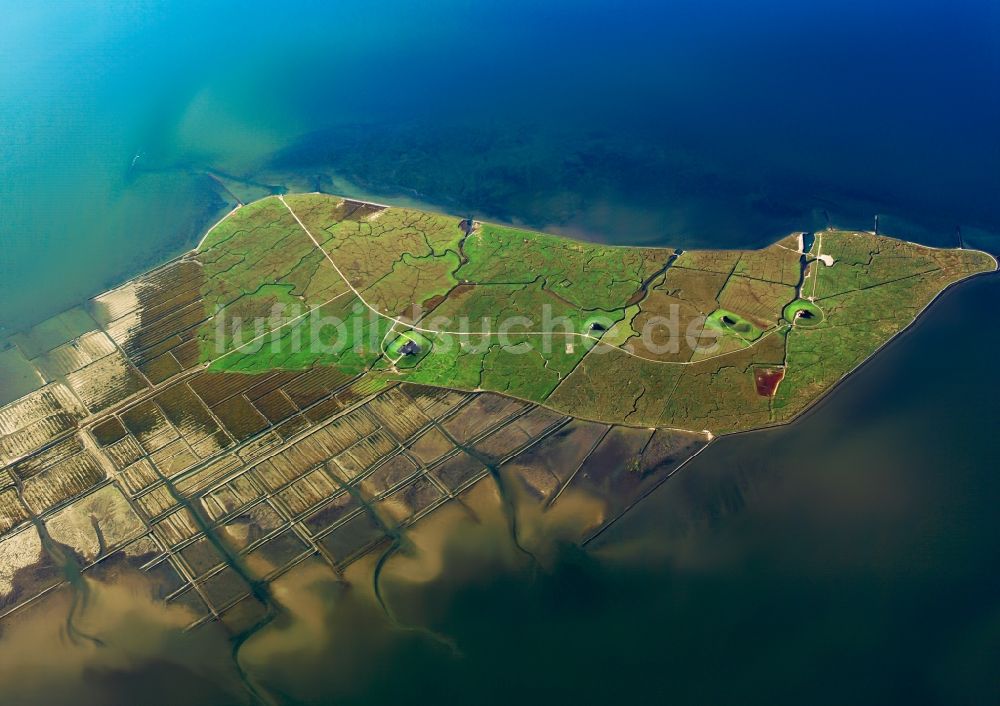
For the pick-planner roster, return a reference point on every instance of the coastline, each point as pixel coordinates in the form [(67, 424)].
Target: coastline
[(614, 512), (709, 434), (824, 395), (6, 332)]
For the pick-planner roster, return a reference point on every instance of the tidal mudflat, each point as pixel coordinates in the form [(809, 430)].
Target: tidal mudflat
[(232, 500)]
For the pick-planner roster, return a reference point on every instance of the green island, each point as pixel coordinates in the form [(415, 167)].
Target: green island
[(322, 374), (716, 340)]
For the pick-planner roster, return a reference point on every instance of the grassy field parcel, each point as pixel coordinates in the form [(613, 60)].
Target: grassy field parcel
[(644, 336)]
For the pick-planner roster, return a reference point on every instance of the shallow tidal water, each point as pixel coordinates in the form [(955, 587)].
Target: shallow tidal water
[(853, 557), (850, 557), (124, 126)]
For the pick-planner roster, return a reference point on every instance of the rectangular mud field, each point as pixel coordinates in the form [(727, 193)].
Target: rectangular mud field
[(122, 453)]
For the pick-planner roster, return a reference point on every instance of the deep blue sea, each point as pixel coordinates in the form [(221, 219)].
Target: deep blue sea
[(853, 557)]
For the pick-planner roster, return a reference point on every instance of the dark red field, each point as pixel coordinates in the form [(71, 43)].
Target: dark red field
[(767, 379)]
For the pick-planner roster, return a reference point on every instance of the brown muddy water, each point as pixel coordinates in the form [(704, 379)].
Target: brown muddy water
[(851, 557)]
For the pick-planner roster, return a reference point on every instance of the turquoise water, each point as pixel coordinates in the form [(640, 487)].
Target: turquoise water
[(728, 125)]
